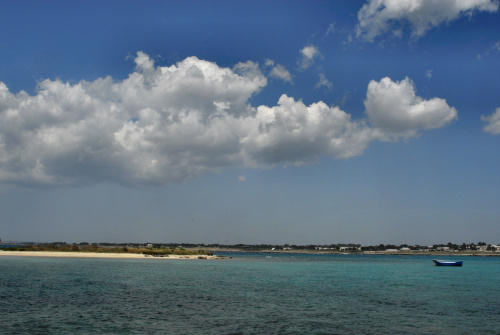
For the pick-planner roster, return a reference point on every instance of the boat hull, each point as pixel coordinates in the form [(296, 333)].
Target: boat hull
[(447, 263)]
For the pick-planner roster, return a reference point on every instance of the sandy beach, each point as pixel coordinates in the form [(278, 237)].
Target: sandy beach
[(70, 254)]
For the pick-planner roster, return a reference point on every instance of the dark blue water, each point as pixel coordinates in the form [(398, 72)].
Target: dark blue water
[(250, 294)]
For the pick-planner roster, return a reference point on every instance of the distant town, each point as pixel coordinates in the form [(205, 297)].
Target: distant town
[(479, 248)]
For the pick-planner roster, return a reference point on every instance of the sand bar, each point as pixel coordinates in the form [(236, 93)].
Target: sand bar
[(76, 254)]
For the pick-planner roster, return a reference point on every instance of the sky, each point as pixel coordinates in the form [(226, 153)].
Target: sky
[(370, 121)]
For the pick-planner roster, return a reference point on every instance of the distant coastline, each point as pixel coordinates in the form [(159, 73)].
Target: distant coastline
[(213, 254), (406, 253), (181, 250)]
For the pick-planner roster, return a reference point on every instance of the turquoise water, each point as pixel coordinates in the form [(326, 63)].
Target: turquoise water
[(250, 294)]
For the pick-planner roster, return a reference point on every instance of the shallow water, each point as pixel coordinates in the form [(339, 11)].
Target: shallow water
[(250, 294)]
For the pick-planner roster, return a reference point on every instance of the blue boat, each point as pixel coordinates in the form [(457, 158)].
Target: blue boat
[(447, 263)]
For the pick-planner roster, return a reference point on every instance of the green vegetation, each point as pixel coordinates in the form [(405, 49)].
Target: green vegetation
[(176, 251)]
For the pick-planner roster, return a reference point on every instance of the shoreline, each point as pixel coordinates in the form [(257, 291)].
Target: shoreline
[(392, 253), (113, 255), (124, 255)]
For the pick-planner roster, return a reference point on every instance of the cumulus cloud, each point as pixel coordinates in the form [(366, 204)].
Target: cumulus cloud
[(159, 124), (395, 108), (379, 16), (308, 55), (164, 124), (280, 72), (295, 133), (493, 122), (323, 82)]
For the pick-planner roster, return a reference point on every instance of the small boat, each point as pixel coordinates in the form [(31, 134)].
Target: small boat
[(438, 262)]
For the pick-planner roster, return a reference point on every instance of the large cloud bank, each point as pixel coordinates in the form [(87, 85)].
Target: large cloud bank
[(163, 124), (378, 16)]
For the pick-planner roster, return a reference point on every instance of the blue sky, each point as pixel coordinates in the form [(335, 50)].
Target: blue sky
[(387, 133)]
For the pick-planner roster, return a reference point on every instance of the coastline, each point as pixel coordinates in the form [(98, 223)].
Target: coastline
[(77, 254), (393, 253), (125, 255)]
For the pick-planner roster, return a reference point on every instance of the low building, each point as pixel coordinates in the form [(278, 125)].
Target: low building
[(350, 248)]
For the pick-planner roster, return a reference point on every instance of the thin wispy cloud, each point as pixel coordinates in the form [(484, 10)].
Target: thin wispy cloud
[(493, 48), (323, 82), (330, 30)]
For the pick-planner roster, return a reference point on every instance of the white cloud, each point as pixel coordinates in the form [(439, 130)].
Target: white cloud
[(163, 124), (323, 82), (268, 62), (379, 16), (159, 124), (309, 52), (280, 72), (493, 121), (294, 133), (308, 55), (395, 108)]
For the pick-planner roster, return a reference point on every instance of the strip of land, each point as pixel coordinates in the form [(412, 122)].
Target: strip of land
[(76, 254), (352, 252), (206, 251)]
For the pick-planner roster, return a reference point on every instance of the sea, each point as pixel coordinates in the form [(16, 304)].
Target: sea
[(251, 293)]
